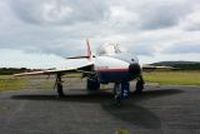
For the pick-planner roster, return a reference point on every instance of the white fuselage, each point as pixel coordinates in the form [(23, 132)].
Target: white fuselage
[(115, 61), (113, 66)]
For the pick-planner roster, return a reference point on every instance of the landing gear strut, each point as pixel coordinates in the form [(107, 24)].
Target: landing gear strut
[(117, 93), (121, 91), (93, 85), (59, 85), (139, 85)]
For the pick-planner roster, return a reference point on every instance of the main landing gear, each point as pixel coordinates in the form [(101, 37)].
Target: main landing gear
[(59, 85), (122, 89), (93, 85), (139, 85)]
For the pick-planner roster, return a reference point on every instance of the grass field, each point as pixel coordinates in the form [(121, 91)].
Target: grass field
[(7, 82), (173, 77)]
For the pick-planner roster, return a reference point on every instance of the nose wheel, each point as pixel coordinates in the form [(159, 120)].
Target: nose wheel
[(121, 91), (117, 93)]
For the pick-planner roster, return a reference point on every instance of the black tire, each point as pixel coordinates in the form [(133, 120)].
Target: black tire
[(118, 100), (139, 86), (93, 85), (60, 91)]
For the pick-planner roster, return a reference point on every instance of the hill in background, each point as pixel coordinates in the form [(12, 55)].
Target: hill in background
[(184, 65), (9, 71)]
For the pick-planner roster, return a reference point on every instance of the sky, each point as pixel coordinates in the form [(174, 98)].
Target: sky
[(38, 33)]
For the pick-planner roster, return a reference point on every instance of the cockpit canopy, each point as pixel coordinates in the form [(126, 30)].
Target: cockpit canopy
[(110, 49)]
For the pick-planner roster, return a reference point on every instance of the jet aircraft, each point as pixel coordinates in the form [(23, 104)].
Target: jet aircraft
[(111, 64)]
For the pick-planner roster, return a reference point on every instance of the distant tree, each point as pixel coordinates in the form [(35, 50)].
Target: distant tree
[(9, 71), (183, 65)]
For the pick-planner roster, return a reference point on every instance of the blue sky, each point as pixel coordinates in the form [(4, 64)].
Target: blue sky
[(38, 33)]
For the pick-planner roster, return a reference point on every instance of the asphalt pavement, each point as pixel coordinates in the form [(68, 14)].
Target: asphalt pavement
[(159, 110)]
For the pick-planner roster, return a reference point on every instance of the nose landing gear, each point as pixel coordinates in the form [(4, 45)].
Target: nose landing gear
[(121, 91)]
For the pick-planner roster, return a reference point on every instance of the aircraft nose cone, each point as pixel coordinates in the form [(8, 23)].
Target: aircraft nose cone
[(134, 69)]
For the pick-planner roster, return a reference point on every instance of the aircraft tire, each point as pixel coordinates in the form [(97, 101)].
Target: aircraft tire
[(139, 86), (93, 85), (60, 91)]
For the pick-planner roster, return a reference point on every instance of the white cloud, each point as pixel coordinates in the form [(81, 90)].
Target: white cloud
[(18, 58), (59, 12), (192, 21), (120, 15), (148, 28)]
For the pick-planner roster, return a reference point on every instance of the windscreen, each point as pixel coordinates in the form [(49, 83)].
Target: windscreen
[(109, 49)]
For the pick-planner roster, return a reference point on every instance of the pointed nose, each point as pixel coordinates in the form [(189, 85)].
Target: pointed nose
[(134, 69)]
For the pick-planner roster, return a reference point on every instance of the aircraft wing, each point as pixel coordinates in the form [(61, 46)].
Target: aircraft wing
[(80, 64), (83, 68)]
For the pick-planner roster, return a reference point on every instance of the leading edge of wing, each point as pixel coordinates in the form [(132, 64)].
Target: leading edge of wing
[(56, 71)]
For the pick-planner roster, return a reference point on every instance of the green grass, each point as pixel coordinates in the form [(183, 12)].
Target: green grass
[(122, 131), (173, 77), (7, 82)]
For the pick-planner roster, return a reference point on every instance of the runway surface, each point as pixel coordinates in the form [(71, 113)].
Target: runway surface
[(162, 110)]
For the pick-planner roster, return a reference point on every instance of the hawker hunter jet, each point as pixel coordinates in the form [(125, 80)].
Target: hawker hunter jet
[(111, 64)]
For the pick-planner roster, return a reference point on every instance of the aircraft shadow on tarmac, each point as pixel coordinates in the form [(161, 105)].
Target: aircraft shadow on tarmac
[(96, 97), (129, 111)]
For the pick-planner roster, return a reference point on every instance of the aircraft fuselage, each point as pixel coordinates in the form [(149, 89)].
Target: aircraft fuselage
[(117, 67)]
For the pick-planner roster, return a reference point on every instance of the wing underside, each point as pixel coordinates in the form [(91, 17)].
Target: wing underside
[(78, 69)]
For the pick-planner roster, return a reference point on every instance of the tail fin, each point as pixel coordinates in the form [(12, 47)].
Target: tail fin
[(89, 52)]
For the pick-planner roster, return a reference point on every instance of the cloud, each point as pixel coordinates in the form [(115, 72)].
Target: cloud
[(58, 12), (17, 58), (183, 48), (192, 21), (147, 28), (142, 49), (163, 14), (151, 14)]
